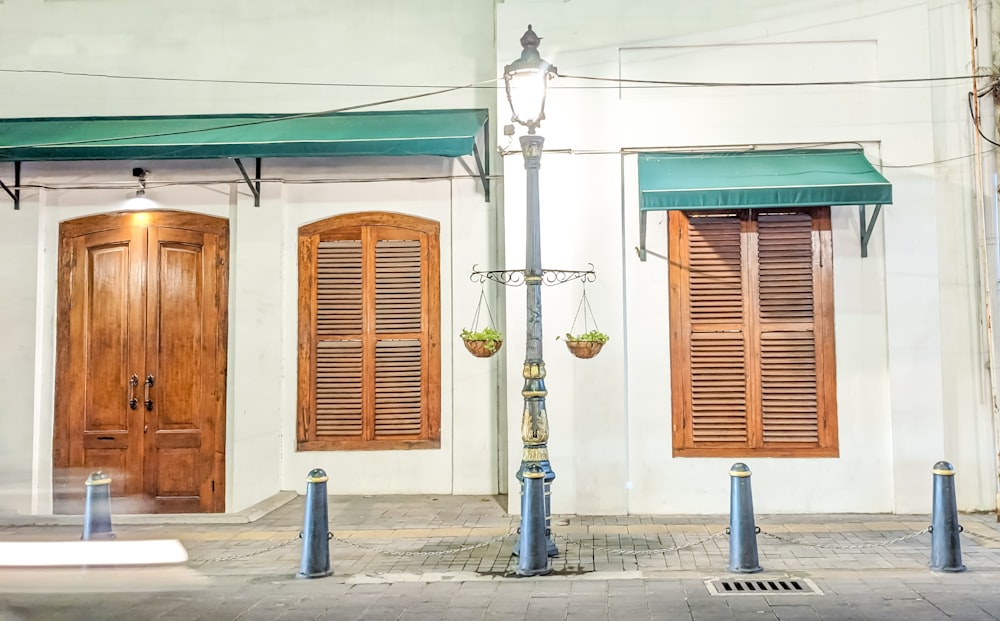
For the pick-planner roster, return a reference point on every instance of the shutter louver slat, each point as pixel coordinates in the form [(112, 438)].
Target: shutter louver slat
[(788, 387), (338, 288), (716, 270), (338, 388), (718, 387), (398, 390), (398, 297), (786, 275)]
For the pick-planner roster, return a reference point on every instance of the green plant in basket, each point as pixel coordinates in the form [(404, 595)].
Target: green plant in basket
[(594, 336), (490, 337)]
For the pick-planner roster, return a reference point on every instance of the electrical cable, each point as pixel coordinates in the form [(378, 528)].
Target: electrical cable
[(975, 121), (770, 84), (616, 82)]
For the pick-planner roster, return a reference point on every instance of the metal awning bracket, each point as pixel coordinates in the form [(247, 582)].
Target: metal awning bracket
[(641, 250), (867, 227), (483, 165), (253, 184), (15, 194)]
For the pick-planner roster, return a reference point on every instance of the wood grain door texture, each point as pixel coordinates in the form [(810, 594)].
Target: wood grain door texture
[(141, 361)]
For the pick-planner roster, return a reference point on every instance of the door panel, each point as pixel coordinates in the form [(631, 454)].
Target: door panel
[(107, 272), (142, 294), (181, 337)]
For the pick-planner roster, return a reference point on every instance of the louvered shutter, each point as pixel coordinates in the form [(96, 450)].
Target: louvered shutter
[(789, 407), (398, 352), (716, 315), (369, 328), (339, 325), (752, 352)]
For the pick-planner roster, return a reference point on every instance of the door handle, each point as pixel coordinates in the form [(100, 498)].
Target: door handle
[(133, 381), (146, 386)]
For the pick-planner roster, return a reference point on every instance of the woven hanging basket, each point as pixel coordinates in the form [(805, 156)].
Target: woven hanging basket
[(481, 349), (584, 349)]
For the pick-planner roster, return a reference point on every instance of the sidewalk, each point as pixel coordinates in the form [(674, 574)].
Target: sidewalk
[(432, 538), (444, 558)]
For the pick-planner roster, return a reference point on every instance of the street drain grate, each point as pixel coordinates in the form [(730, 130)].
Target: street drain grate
[(761, 586)]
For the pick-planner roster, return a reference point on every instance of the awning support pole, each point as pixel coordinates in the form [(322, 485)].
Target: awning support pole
[(642, 236), (14, 194), (867, 227), (254, 185)]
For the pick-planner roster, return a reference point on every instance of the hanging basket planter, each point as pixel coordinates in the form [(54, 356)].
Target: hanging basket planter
[(482, 348), (588, 343), (484, 342), (584, 349)]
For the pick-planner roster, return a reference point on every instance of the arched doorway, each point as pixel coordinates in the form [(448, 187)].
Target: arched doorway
[(141, 361)]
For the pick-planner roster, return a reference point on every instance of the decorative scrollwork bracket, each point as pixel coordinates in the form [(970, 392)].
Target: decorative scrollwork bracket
[(516, 278)]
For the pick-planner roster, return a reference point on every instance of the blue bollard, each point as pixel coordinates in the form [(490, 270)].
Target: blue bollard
[(946, 549), (533, 557), (97, 508), (315, 532), (742, 530)]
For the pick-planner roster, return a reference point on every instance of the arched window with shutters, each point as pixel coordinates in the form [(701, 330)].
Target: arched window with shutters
[(751, 333), (369, 363)]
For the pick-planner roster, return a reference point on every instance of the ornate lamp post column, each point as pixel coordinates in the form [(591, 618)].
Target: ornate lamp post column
[(526, 80)]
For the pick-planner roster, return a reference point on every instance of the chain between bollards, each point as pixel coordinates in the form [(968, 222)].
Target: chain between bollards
[(850, 546), (465, 548)]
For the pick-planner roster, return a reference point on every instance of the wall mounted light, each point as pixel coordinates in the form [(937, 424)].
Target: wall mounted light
[(140, 174)]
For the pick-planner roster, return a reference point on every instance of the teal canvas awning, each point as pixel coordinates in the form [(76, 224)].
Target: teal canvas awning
[(757, 179), (449, 133), (446, 133), (760, 180)]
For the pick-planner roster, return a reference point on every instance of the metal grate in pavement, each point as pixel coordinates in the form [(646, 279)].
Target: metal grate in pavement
[(763, 586)]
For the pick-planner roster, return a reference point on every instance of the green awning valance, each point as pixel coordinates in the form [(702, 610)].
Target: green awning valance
[(760, 179), (449, 133)]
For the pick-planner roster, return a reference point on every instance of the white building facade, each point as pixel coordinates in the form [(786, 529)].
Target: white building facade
[(912, 353)]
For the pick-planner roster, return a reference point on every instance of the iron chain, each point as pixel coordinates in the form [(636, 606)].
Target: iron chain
[(633, 552), (464, 548), (986, 537), (237, 557), (836, 546)]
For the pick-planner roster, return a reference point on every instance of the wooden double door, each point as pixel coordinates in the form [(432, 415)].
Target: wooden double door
[(141, 361)]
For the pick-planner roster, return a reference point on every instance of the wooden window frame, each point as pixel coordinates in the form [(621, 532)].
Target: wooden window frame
[(822, 321), (366, 227)]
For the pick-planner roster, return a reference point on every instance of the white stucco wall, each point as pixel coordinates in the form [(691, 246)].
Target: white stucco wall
[(911, 382), (84, 58)]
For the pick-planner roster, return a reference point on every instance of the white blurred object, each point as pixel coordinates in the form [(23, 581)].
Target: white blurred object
[(91, 553)]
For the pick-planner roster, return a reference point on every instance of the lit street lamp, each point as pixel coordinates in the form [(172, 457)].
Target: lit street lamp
[(526, 80)]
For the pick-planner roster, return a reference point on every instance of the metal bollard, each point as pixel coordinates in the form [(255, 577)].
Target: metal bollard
[(315, 533), (742, 530), (946, 549), (550, 476), (533, 557), (97, 508)]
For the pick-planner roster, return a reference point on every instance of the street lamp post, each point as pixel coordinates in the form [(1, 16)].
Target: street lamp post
[(526, 80)]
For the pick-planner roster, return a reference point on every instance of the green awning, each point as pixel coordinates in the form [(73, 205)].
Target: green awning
[(760, 179), (449, 133)]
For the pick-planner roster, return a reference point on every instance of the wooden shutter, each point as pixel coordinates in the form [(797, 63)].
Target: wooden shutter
[(717, 348), (789, 407), (339, 328), (398, 353), (369, 327), (751, 314)]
